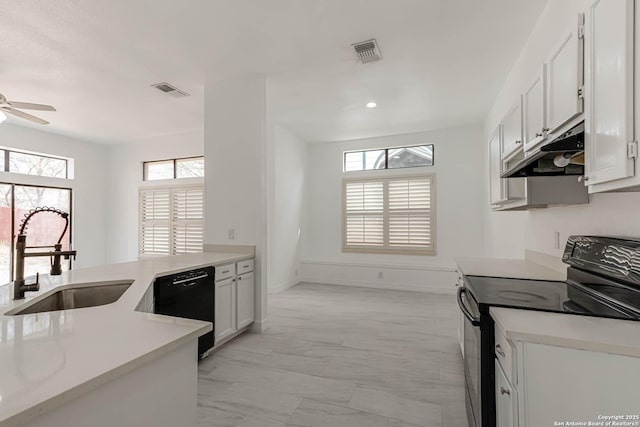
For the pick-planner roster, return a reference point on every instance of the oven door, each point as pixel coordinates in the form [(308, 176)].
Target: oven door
[(472, 360)]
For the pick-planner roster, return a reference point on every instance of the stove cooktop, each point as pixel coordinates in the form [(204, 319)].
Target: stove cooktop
[(592, 299), (517, 293)]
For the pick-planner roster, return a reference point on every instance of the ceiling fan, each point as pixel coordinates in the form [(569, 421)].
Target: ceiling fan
[(11, 107)]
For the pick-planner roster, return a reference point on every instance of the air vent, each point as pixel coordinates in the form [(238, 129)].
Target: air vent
[(368, 51), (170, 90)]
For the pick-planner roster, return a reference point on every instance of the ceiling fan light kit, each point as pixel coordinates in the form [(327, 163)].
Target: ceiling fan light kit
[(11, 107)]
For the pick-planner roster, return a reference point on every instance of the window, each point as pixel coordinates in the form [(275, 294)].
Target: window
[(44, 228), (33, 164), (171, 220), (192, 167), (389, 215), (389, 158)]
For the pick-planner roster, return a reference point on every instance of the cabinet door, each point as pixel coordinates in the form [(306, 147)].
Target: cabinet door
[(534, 112), (506, 400), (497, 185), (225, 319), (512, 130), (565, 77), (610, 115), (245, 287)]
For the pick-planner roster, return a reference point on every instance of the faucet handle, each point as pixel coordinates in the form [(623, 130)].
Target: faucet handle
[(33, 287)]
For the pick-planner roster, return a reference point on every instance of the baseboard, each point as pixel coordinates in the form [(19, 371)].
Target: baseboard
[(259, 326), (434, 279), (282, 287)]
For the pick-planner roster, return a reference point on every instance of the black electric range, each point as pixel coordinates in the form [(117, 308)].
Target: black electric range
[(603, 280)]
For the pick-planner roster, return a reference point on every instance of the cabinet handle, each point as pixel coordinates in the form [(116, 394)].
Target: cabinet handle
[(546, 130), (539, 134), (245, 266), (504, 391), (499, 351), (518, 142), (225, 271)]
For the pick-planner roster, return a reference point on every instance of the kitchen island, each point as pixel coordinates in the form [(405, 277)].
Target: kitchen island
[(102, 366)]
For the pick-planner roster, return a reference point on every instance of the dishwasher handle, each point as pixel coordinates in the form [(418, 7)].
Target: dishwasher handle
[(465, 310)]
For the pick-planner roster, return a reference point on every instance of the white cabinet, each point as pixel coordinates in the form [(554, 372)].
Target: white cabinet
[(610, 148), (506, 400), (574, 384), (225, 316), (512, 130), (565, 77), (534, 100), (235, 299), (245, 296), (497, 185)]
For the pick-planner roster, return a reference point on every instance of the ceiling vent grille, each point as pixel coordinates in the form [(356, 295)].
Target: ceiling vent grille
[(170, 90), (368, 51)]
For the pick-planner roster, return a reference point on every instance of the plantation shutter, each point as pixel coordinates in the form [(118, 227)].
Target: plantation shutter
[(365, 214), (171, 220), (188, 218), (389, 215), (410, 213), (155, 221)]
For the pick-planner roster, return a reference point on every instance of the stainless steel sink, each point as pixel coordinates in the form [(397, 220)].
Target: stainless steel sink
[(76, 296)]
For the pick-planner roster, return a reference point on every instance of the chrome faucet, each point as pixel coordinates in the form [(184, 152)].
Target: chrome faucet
[(19, 285)]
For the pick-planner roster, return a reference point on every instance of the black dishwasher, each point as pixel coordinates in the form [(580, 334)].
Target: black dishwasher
[(190, 294)]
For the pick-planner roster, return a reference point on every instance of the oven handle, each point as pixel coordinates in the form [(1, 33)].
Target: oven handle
[(465, 310)]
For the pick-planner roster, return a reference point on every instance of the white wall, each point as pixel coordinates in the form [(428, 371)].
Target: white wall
[(89, 185), (125, 179), (460, 187), (509, 233), (290, 164), (235, 162)]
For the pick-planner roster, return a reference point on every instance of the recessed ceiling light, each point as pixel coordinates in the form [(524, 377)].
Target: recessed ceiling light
[(371, 105), (3, 117)]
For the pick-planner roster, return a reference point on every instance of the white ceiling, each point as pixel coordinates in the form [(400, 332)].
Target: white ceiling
[(94, 60)]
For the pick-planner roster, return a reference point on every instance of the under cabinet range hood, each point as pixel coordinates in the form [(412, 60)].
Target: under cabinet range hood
[(562, 156)]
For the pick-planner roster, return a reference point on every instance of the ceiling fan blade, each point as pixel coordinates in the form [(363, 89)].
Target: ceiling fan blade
[(25, 116), (31, 106)]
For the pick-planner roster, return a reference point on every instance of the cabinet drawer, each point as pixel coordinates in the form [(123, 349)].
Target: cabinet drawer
[(225, 271), (245, 266), (505, 355)]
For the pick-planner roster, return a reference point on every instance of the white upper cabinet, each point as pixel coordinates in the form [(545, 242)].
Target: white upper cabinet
[(565, 77), (534, 111), (610, 147), (497, 185), (512, 130)]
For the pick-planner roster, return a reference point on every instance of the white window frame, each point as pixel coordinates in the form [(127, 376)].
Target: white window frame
[(386, 249), (172, 223)]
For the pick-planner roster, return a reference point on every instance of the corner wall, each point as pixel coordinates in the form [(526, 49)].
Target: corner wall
[(460, 186), (290, 169), (236, 154), (510, 233)]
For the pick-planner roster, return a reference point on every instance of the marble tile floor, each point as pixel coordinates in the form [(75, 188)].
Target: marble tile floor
[(340, 357)]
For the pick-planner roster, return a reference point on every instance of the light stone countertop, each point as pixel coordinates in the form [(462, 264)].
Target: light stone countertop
[(47, 359), (511, 268), (569, 330)]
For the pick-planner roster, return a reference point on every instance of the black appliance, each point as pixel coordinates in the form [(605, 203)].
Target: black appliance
[(190, 294), (603, 280), (562, 156)]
